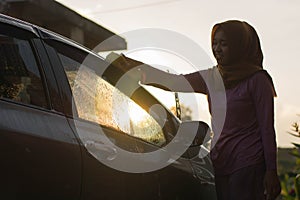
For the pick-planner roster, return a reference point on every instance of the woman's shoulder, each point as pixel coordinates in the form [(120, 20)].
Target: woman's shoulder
[(261, 80), (259, 77)]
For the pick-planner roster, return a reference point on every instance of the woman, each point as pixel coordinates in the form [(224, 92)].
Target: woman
[(244, 154)]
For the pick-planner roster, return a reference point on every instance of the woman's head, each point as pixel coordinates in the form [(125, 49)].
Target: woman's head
[(236, 42)]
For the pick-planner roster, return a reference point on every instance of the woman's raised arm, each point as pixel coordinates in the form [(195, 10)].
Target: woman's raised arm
[(149, 75)]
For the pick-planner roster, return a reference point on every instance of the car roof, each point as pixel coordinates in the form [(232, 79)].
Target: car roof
[(17, 22)]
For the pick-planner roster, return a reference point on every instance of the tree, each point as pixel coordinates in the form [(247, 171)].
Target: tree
[(291, 181)]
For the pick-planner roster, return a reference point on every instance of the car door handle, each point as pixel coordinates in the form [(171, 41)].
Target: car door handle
[(100, 150)]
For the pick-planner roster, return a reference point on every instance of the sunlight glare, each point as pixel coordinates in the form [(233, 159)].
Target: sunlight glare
[(137, 114)]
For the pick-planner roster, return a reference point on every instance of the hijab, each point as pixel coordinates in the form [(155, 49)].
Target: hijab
[(245, 54)]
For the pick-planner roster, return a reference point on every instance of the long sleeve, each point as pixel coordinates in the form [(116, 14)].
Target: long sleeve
[(263, 95), (151, 76), (192, 82)]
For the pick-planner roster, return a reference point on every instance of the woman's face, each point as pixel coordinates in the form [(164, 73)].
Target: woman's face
[(220, 47)]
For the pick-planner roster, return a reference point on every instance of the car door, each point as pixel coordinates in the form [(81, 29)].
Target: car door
[(95, 121), (203, 182), (40, 156)]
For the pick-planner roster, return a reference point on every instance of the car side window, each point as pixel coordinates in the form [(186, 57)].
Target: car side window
[(20, 78), (100, 102)]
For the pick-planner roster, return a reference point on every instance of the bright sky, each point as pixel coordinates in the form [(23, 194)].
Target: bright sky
[(276, 21)]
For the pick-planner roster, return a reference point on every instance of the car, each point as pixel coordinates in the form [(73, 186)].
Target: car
[(67, 116)]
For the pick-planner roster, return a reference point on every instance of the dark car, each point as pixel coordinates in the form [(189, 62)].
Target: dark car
[(66, 119)]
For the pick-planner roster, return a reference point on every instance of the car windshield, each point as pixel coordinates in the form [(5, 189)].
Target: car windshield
[(98, 101)]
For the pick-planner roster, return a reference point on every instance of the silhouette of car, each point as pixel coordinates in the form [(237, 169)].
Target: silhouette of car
[(60, 102)]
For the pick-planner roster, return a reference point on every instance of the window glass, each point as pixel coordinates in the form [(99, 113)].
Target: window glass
[(20, 78), (98, 101)]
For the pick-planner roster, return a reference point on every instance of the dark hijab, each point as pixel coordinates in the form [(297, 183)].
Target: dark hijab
[(245, 54)]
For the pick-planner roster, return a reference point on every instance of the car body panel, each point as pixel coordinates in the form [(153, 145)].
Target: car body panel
[(39, 159)]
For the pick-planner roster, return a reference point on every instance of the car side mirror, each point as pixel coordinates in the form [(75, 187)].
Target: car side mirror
[(203, 134)]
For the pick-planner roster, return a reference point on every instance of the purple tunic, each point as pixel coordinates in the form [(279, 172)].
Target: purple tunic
[(248, 135)]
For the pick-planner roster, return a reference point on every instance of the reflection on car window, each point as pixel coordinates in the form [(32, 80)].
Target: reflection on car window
[(98, 101), (20, 78)]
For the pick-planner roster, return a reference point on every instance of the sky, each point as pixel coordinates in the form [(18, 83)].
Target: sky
[(276, 21)]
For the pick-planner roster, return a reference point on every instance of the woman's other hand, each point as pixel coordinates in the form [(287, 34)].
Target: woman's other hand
[(272, 185)]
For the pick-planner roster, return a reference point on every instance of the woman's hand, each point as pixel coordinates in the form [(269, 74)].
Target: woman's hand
[(272, 185), (122, 62), (128, 66)]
